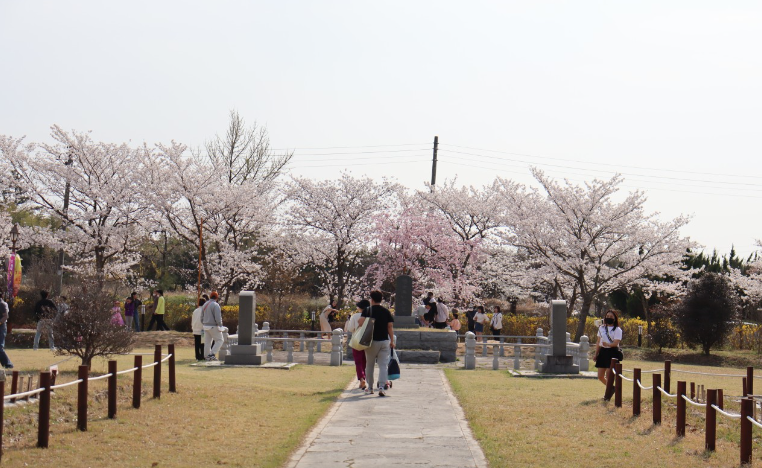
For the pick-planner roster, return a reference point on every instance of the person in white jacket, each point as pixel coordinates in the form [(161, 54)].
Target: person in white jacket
[(198, 330)]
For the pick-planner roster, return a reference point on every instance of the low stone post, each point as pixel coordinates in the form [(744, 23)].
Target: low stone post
[(502, 348), (269, 350), (290, 349), (320, 343), (311, 352), (584, 350), (484, 346), (470, 360), (301, 342), (336, 337), (266, 327), (517, 356), (225, 349), (495, 356)]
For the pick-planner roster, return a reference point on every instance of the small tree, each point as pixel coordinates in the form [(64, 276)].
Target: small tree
[(662, 333), (86, 330), (706, 312)]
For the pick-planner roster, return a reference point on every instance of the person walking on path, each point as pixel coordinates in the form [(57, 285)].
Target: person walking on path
[(479, 321), (5, 361), (211, 320), (198, 330), (359, 356), (325, 325), (44, 311), (607, 347), (129, 311), (158, 312), (497, 322), (383, 343), (136, 303)]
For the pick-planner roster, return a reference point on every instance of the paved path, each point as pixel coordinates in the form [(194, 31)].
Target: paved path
[(420, 423)]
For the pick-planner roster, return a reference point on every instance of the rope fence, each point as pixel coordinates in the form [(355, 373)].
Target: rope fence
[(46, 384), (710, 400)]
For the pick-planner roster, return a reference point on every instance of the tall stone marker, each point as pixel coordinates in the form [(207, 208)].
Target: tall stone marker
[(557, 362), (403, 303), (245, 352)]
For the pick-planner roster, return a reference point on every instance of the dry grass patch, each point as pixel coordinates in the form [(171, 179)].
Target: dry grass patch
[(522, 422), (235, 417)]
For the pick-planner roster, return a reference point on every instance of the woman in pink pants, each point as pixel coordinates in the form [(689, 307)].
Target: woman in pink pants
[(359, 356)]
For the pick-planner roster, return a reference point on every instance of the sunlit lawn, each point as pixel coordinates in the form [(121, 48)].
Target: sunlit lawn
[(547, 421), (235, 417)]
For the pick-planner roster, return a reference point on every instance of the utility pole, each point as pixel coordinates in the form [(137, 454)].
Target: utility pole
[(64, 221), (434, 164)]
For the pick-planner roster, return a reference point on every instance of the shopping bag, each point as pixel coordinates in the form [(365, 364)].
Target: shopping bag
[(362, 338), (394, 366)]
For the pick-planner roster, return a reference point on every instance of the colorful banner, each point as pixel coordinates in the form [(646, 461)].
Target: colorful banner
[(17, 276), (11, 272)]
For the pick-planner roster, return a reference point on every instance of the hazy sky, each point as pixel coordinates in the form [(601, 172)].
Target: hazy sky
[(666, 93)]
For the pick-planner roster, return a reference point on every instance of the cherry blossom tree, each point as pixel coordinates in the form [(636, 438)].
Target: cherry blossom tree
[(330, 222), (107, 206), (582, 234)]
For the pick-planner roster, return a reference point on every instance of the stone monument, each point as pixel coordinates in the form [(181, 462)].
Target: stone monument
[(403, 303), (558, 362), (245, 352)]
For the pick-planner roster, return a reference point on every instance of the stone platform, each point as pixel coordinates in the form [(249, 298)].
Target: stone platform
[(444, 341), (418, 357)]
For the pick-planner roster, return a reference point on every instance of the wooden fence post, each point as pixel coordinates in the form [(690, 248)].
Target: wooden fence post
[(14, 384), (711, 420), (745, 387), (746, 409), (112, 390), (82, 398), (137, 382), (636, 392), (2, 410), (680, 424), (618, 387), (750, 380), (667, 375), (43, 427), (657, 398), (693, 391), (157, 372), (172, 382), (720, 398)]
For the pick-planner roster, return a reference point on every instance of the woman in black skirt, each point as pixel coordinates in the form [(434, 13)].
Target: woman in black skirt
[(607, 347)]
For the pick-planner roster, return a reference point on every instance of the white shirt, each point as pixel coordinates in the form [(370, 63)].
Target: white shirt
[(353, 323), (196, 325), (480, 317), (614, 334), (442, 313), (497, 321)]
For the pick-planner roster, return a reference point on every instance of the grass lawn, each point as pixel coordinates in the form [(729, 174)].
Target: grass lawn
[(543, 421), (234, 417)]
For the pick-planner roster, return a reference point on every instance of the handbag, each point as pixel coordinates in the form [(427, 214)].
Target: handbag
[(359, 341), (394, 366), (366, 337), (618, 354)]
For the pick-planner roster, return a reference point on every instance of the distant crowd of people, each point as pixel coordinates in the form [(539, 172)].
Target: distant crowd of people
[(434, 313)]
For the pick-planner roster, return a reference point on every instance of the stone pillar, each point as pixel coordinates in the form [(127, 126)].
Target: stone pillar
[(470, 359), (336, 336), (584, 350), (558, 361), (246, 319), (403, 303)]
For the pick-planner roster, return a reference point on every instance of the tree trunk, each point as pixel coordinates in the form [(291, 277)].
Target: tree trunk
[(587, 302)]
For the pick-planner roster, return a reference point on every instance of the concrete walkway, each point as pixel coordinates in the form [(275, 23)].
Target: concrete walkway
[(419, 423)]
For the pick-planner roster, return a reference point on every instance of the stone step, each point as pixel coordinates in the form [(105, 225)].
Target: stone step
[(418, 357)]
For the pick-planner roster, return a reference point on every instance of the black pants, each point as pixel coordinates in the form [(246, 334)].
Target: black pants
[(440, 325), (158, 319), (199, 347)]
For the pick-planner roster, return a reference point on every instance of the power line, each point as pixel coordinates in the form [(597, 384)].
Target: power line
[(349, 147), (360, 152), (603, 171), (360, 164), (607, 164)]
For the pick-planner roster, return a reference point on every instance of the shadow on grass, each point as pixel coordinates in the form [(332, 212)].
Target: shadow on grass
[(649, 430)]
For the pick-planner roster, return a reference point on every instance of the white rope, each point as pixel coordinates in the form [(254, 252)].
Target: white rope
[(150, 365), (644, 371), (728, 415), (622, 376), (25, 394), (67, 384), (755, 422), (667, 394), (644, 388), (714, 375), (169, 356), (126, 371), (100, 377), (700, 405)]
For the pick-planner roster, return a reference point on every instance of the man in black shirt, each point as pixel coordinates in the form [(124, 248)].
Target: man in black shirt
[(470, 317), (44, 313), (383, 342)]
